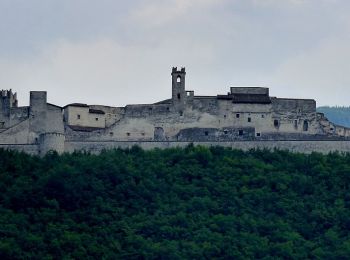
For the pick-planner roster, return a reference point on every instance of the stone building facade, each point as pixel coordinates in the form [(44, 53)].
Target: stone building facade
[(245, 115)]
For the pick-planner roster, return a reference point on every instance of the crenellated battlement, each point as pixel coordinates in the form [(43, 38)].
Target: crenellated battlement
[(175, 70), (9, 99)]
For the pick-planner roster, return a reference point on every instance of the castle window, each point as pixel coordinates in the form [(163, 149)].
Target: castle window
[(178, 96), (78, 116), (2, 124), (296, 124), (225, 132), (150, 109), (128, 134), (178, 79), (206, 133), (224, 116), (167, 109), (276, 123), (237, 115), (111, 133), (262, 116), (258, 134), (96, 119), (240, 132), (305, 126), (249, 119), (181, 113), (143, 134)]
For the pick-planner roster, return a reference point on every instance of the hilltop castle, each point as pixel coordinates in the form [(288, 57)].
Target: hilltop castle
[(245, 117)]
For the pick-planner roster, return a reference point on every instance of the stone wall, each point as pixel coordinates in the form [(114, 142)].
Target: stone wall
[(17, 115), (51, 142), (294, 146), (98, 146), (54, 121), (27, 148), (18, 134)]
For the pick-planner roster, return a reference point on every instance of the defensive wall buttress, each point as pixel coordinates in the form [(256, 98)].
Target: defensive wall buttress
[(244, 118)]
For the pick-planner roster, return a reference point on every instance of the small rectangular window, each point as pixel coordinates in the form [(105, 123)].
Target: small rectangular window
[(96, 119), (262, 116), (225, 132), (206, 133), (240, 132), (296, 124), (258, 134), (237, 115), (128, 134), (78, 116), (276, 123), (249, 119)]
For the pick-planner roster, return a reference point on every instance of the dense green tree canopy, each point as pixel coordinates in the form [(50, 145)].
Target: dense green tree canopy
[(189, 203)]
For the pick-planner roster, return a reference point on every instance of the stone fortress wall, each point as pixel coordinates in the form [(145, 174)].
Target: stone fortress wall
[(244, 118)]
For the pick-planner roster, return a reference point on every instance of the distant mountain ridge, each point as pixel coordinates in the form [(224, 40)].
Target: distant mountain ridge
[(337, 115)]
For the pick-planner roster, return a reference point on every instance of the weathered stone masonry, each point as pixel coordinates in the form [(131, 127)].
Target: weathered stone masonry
[(244, 118)]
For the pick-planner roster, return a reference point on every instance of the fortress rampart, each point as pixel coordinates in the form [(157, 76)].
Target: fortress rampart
[(244, 118)]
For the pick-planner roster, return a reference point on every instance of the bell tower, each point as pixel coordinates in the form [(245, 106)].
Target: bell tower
[(178, 88)]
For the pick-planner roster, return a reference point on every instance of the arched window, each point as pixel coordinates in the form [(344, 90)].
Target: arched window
[(306, 126), (178, 79)]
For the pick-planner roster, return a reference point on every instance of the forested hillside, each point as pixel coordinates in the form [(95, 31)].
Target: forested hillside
[(193, 203), (337, 115)]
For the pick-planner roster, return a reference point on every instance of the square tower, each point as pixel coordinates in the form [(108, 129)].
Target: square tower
[(178, 87)]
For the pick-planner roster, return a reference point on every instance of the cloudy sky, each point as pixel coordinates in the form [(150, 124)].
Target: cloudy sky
[(118, 52)]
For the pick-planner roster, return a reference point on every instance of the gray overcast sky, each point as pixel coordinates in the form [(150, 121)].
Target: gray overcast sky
[(117, 52)]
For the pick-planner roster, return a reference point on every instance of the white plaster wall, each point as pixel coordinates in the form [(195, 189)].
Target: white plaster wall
[(86, 119), (74, 112)]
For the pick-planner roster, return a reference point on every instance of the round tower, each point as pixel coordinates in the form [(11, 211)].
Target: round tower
[(51, 142)]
